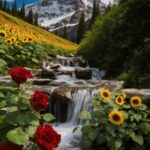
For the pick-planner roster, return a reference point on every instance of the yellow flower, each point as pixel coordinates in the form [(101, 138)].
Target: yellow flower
[(123, 94), (17, 43), (2, 33), (116, 117), (119, 100), (13, 39), (8, 41), (135, 101), (105, 94)]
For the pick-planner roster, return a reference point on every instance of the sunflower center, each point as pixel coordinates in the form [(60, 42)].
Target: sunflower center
[(119, 100), (105, 94), (135, 101), (116, 117), (2, 34)]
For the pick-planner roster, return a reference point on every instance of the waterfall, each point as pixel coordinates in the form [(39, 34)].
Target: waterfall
[(81, 100)]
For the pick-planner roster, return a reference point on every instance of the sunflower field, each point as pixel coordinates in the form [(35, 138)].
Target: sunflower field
[(116, 123), (24, 44)]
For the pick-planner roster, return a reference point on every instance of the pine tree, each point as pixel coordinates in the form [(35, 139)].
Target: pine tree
[(95, 12), (4, 5), (65, 36), (22, 11), (81, 28), (36, 19), (108, 8), (14, 8), (30, 17), (1, 4)]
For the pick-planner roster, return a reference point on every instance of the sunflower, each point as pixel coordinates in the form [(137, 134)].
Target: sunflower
[(135, 101), (119, 100), (105, 94), (8, 41), (123, 94), (2, 33), (17, 43), (116, 117), (13, 39)]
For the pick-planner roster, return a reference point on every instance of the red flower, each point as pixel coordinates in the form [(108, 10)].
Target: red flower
[(46, 137), (39, 101), (10, 146), (20, 75)]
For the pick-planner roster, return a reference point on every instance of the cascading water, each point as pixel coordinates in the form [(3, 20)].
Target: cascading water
[(81, 100)]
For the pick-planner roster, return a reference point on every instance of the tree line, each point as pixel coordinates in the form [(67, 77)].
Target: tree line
[(19, 12), (119, 42)]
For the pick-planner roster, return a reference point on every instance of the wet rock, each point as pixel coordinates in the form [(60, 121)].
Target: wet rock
[(80, 82), (62, 94), (55, 83), (55, 66), (41, 81), (143, 93), (47, 73), (83, 73)]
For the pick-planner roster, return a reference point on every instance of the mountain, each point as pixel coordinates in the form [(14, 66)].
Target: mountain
[(55, 14)]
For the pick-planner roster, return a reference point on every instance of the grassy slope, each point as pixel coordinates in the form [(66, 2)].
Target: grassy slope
[(50, 37)]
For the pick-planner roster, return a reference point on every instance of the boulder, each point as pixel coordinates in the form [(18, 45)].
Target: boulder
[(55, 66), (41, 81), (47, 73), (62, 94), (83, 73), (143, 93)]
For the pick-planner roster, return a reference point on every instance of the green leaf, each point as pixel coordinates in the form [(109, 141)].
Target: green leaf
[(11, 118), (2, 115), (35, 60), (31, 130), (138, 139), (49, 117), (118, 144), (2, 103), (93, 135), (25, 95), (18, 136), (85, 115), (2, 95), (11, 99)]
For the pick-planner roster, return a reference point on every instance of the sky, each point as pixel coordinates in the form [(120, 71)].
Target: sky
[(19, 2)]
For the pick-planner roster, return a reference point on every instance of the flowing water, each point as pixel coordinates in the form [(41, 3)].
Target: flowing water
[(80, 100)]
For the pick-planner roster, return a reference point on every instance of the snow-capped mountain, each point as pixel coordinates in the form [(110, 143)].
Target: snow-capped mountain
[(54, 14)]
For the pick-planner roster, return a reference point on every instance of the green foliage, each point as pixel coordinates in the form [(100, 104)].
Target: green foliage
[(118, 39), (18, 120), (27, 55), (99, 132)]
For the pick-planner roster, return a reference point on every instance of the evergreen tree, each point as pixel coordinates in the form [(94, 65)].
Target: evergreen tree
[(4, 5), (30, 17), (95, 12), (108, 8), (22, 11), (36, 19), (1, 4), (81, 28), (14, 8), (65, 36)]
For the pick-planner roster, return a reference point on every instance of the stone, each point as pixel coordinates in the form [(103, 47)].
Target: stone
[(41, 81), (62, 94), (83, 73), (47, 73), (55, 66), (143, 93)]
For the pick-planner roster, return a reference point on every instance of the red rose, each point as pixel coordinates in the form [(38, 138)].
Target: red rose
[(10, 146), (39, 101), (20, 75), (46, 137)]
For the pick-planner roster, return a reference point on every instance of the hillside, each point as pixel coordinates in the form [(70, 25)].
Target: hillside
[(24, 32)]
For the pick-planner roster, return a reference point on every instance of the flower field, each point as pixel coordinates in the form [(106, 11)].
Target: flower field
[(15, 32)]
